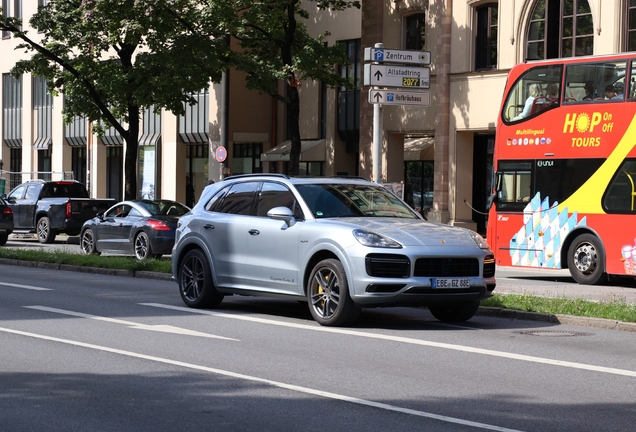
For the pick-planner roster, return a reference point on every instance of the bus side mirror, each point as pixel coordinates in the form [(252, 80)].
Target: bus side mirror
[(491, 200)]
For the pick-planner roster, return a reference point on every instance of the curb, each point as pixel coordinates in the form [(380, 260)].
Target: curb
[(601, 323)]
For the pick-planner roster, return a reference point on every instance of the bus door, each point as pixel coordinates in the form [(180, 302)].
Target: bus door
[(513, 194)]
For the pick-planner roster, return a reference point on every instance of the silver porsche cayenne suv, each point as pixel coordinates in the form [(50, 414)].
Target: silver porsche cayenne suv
[(340, 244)]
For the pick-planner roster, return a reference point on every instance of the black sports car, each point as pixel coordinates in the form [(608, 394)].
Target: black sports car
[(6, 222), (143, 228)]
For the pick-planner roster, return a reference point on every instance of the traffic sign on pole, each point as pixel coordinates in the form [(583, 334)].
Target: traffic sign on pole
[(390, 97), (220, 154), (397, 56), (397, 76)]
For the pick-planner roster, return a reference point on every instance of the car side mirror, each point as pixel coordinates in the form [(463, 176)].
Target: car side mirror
[(3, 196), (282, 213), (10, 200)]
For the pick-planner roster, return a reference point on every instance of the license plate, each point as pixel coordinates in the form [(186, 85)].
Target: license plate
[(450, 282)]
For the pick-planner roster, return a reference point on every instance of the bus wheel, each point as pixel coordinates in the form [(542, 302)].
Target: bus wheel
[(586, 260)]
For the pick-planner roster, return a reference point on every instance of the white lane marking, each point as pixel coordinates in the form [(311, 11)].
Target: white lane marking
[(29, 287), (292, 387), (133, 325), (448, 346)]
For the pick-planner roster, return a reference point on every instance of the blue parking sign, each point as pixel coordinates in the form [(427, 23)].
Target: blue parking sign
[(390, 97), (379, 54)]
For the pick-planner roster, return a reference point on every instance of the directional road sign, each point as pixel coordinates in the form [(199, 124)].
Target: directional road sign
[(397, 56), (390, 97), (397, 76)]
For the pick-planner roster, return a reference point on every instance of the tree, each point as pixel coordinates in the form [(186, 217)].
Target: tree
[(275, 45), (113, 58)]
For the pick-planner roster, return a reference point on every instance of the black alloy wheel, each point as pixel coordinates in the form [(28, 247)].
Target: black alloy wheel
[(195, 281)]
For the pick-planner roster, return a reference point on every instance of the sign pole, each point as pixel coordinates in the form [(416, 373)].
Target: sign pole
[(376, 153), (393, 74)]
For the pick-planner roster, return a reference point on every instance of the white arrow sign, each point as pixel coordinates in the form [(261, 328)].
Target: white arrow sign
[(397, 56), (389, 97), (396, 76)]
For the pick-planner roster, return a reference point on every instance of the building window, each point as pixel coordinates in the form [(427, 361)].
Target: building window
[(44, 164), (78, 163), (43, 106), (486, 43), (314, 169), (115, 172), (11, 8), (149, 155), (11, 111), (415, 37), (349, 98), (246, 158), (15, 164), (197, 167), (631, 25), (567, 21)]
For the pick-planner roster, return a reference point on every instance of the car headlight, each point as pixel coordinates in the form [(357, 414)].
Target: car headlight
[(372, 239), (481, 242)]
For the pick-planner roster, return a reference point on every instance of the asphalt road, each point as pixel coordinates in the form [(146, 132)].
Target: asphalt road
[(106, 353)]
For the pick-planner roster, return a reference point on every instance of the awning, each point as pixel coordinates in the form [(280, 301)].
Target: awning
[(310, 150), (42, 143), (149, 139), (419, 148), (13, 142)]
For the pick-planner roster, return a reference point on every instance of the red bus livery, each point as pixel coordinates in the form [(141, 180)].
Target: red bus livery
[(565, 162)]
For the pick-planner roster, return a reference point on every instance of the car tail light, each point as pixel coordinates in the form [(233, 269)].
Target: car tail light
[(69, 210), (7, 211), (158, 225)]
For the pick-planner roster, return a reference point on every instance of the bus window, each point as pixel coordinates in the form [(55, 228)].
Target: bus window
[(514, 185), (588, 81), (621, 192), (529, 96), (631, 82)]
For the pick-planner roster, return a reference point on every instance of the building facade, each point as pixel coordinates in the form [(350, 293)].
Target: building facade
[(443, 152)]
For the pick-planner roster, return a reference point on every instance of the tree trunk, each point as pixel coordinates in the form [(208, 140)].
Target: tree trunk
[(130, 160), (293, 115)]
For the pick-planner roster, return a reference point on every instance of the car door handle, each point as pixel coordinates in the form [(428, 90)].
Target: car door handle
[(208, 226), (254, 232)]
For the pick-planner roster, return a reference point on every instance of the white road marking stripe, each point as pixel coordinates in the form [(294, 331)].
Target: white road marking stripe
[(292, 387), (454, 347), (30, 287), (134, 325)]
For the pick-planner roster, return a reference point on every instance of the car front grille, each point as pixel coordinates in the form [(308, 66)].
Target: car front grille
[(388, 265), (446, 267)]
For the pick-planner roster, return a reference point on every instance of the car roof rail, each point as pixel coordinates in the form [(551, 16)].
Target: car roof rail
[(352, 177), (257, 175)]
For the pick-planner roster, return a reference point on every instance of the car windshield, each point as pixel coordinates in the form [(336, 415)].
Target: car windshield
[(351, 200), (170, 208)]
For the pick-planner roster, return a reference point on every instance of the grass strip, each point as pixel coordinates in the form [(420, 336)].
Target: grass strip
[(612, 308), (109, 262)]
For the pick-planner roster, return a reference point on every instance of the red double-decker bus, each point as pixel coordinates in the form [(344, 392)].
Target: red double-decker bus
[(565, 163)]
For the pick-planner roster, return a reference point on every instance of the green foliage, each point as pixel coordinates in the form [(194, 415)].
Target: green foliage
[(610, 308), (275, 45), (114, 58), (109, 262)]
